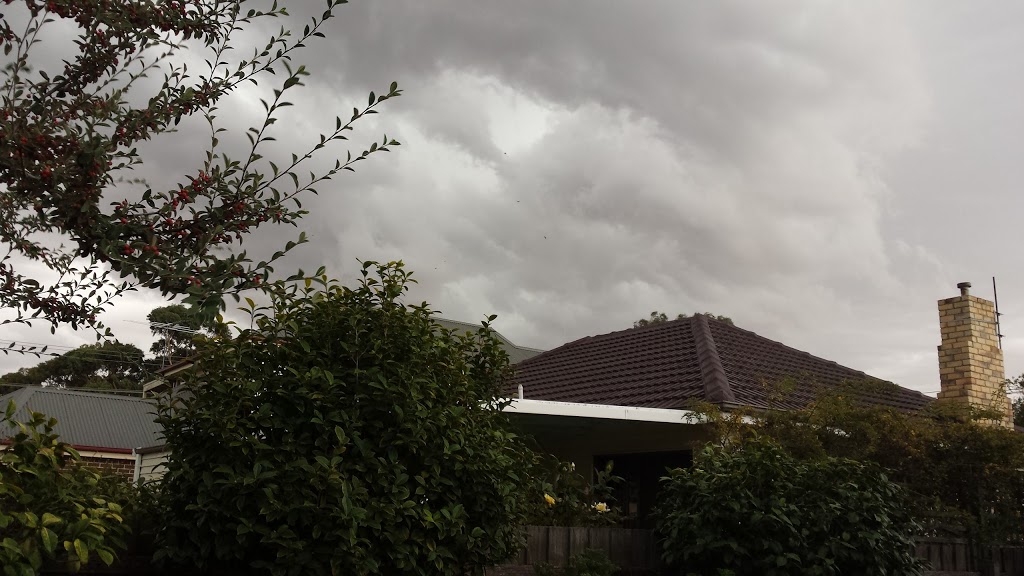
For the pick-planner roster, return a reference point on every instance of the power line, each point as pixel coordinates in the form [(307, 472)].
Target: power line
[(94, 390), (168, 326), (96, 354)]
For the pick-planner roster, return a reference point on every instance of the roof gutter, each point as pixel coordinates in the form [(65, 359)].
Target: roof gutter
[(83, 448), (599, 411)]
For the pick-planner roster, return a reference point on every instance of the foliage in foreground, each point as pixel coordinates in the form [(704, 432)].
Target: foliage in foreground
[(562, 496), (52, 508), (589, 562), (964, 476), (85, 85), (345, 433), (754, 509), (1015, 386)]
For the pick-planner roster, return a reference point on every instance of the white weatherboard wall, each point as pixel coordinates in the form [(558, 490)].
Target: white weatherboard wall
[(151, 466)]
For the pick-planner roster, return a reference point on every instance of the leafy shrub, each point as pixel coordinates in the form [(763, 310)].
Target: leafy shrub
[(51, 507), (590, 562), (754, 509), (345, 433), (561, 496), (964, 476)]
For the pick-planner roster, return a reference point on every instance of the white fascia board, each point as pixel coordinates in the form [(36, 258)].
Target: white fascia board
[(603, 411)]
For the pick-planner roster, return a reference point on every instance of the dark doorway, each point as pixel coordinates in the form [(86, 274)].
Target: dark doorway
[(638, 494)]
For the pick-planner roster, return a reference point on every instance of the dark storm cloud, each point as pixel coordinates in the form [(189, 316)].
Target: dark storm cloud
[(571, 166)]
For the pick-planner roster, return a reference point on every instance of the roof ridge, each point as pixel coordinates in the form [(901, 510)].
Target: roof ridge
[(31, 390), (716, 383), (728, 326)]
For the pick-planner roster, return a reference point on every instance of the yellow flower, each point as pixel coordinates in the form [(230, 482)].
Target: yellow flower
[(601, 507), (550, 500)]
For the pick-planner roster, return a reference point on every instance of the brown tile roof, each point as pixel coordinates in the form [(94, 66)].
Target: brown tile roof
[(670, 364)]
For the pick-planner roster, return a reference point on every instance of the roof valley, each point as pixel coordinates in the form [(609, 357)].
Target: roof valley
[(716, 383)]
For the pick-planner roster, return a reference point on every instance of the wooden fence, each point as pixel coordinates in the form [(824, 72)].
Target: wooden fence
[(957, 556), (637, 552), (634, 550)]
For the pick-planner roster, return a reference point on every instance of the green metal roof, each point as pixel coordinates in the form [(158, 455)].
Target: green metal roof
[(93, 420)]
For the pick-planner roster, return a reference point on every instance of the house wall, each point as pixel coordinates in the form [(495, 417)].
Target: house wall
[(151, 466), (112, 464)]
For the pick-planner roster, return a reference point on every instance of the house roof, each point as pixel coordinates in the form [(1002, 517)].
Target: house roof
[(671, 364), (89, 420), (515, 353)]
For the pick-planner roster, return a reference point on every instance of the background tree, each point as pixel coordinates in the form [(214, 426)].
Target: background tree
[(103, 366), (347, 433), (70, 131), (659, 317), (1015, 388), (173, 344)]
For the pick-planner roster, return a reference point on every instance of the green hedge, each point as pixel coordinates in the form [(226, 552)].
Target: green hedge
[(753, 509), (345, 433)]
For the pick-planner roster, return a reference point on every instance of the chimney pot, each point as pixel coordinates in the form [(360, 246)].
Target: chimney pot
[(965, 288)]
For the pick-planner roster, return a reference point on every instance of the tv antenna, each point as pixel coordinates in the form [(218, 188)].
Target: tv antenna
[(995, 298)]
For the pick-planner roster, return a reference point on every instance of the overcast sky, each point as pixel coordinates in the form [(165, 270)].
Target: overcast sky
[(821, 172)]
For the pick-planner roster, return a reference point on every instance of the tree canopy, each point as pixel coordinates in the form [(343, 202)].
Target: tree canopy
[(345, 433), (107, 365), (73, 196), (173, 343), (659, 317)]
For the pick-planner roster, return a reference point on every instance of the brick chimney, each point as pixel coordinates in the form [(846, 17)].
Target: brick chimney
[(970, 361)]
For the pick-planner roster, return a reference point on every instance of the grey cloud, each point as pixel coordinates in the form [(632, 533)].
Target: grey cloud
[(572, 166)]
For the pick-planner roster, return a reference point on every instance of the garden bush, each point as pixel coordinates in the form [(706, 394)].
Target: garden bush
[(751, 508), (53, 509), (345, 432), (964, 476), (589, 562), (562, 496)]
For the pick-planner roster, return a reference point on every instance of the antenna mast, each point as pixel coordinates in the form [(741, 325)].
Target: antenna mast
[(995, 296)]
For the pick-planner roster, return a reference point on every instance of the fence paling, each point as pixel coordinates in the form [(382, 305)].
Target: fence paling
[(638, 550), (556, 544), (946, 554)]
